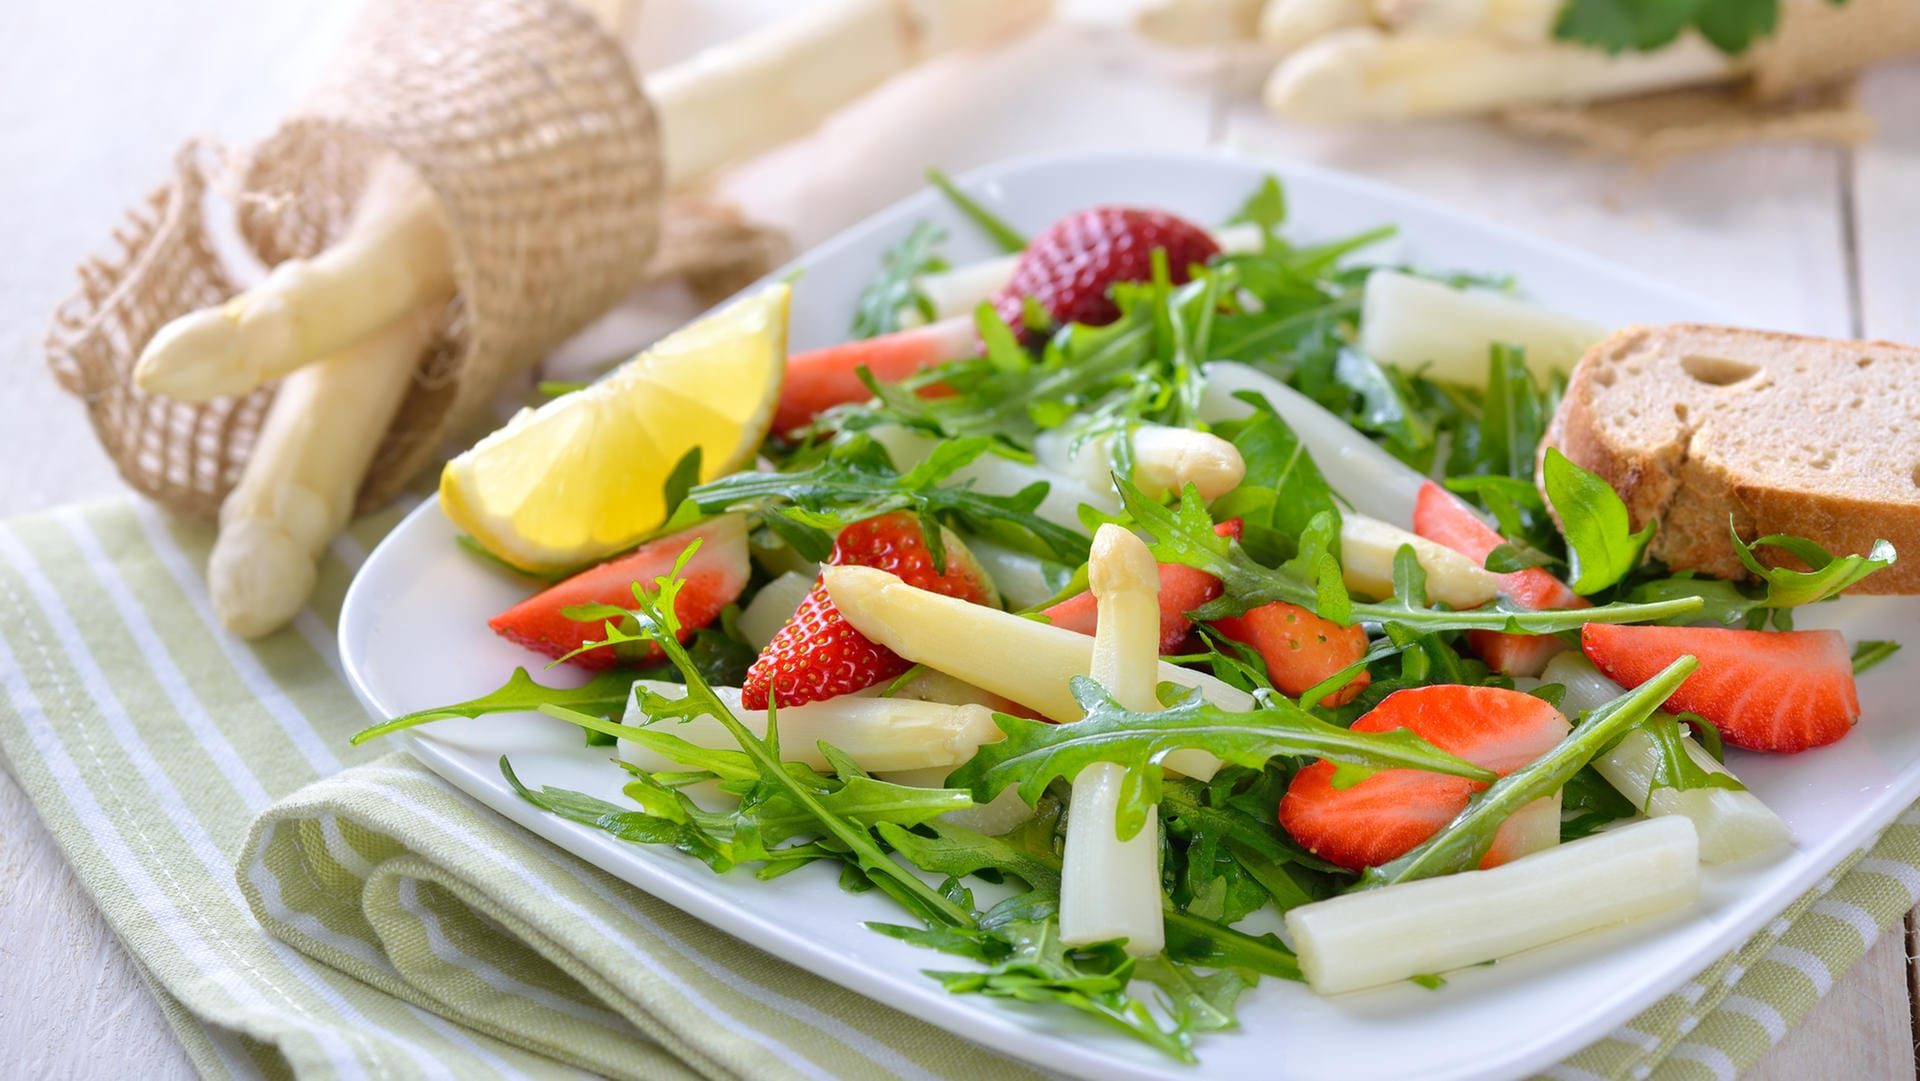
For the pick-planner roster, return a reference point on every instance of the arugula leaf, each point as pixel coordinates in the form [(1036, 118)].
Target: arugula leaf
[(605, 695), (1266, 208), (625, 823), (1676, 769), (1867, 653), (1283, 490), (1513, 416), (896, 288), (1589, 802), (1826, 577), (1601, 544), (992, 224), (1461, 843), (1036, 753), (1186, 537)]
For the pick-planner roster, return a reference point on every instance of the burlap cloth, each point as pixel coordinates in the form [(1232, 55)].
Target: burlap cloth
[(527, 121), (1796, 85)]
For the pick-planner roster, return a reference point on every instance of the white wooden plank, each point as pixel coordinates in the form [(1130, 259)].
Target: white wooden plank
[(1757, 230), (1861, 1030), (1886, 206)]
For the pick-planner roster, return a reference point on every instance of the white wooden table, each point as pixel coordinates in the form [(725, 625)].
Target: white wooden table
[(94, 94)]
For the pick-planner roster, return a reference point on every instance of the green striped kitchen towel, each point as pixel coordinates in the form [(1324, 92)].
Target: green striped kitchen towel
[(303, 908)]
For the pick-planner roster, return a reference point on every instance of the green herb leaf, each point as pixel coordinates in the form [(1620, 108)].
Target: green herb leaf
[(1266, 208), (1677, 769), (1826, 577), (1600, 540), (605, 695), (992, 224), (1282, 492), (896, 288), (1868, 653)]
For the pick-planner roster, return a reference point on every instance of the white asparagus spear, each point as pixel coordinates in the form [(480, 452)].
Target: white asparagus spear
[(1165, 460), (1528, 22), (1375, 482), (1360, 75), (877, 733), (1028, 662), (1286, 25), (772, 607), (1110, 888), (1732, 824), (712, 110), (1367, 550), (1195, 24), (1411, 322), (1434, 925)]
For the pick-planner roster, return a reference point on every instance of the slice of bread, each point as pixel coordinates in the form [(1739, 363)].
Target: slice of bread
[(1789, 434)]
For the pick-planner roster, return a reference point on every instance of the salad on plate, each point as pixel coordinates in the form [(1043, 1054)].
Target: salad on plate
[(1153, 610)]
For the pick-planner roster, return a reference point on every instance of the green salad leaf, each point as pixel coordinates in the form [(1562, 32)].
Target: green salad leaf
[(896, 288), (1600, 540)]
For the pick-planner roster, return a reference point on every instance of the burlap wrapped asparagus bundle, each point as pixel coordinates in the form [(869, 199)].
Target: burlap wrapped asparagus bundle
[(474, 181), (1360, 61)]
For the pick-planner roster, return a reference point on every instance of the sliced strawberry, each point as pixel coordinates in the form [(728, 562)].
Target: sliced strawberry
[(1182, 589), (714, 578), (1069, 267), (1766, 690), (818, 655), (1300, 648), (1440, 516), (1391, 812), (819, 379)]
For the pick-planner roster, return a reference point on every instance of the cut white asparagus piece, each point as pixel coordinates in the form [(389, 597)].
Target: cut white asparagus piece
[(994, 475), (1412, 322), (1434, 925), (1020, 576), (1194, 24), (1375, 482), (1367, 548), (878, 733), (1286, 25), (1029, 662), (297, 489), (772, 607), (711, 112), (959, 290), (1732, 824), (1359, 74), (993, 818), (1165, 460), (393, 261), (1110, 888)]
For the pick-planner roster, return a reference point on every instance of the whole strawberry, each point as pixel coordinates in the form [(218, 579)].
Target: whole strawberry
[(1069, 267), (818, 655)]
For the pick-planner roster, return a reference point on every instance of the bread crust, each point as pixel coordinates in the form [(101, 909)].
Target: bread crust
[(1694, 494)]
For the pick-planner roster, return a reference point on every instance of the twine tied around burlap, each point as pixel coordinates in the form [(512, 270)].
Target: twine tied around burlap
[(525, 119)]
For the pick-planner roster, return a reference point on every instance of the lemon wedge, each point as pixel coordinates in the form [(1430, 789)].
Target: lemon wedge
[(584, 475)]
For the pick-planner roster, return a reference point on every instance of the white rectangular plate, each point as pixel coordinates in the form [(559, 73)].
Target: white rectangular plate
[(413, 635)]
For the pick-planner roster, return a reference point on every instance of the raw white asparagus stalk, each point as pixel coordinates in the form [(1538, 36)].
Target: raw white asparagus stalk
[(712, 110), (994, 475), (1165, 460), (1518, 21), (877, 733), (1434, 925), (1286, 25), (392, 262), (1110, 888), (1412, 322), (1732, 824), (1375, 482), (746, 96), (772, 607), (1194, 24), (1028, 662), (959, 290), (1359, 75), (1367, 550)]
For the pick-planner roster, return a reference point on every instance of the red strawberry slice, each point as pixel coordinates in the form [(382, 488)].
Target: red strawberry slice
[(1393, 811), (818, 655), (819, 379), (1069, 266), (1182, 589), (1300, 648), (714, 578), (1780, 691), (1440, 516)]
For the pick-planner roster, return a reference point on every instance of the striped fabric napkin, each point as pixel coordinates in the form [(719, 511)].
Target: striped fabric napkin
[(303, 908)]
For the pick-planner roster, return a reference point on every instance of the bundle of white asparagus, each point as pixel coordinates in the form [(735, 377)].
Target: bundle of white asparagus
[(344, 332), (1351, 61)]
